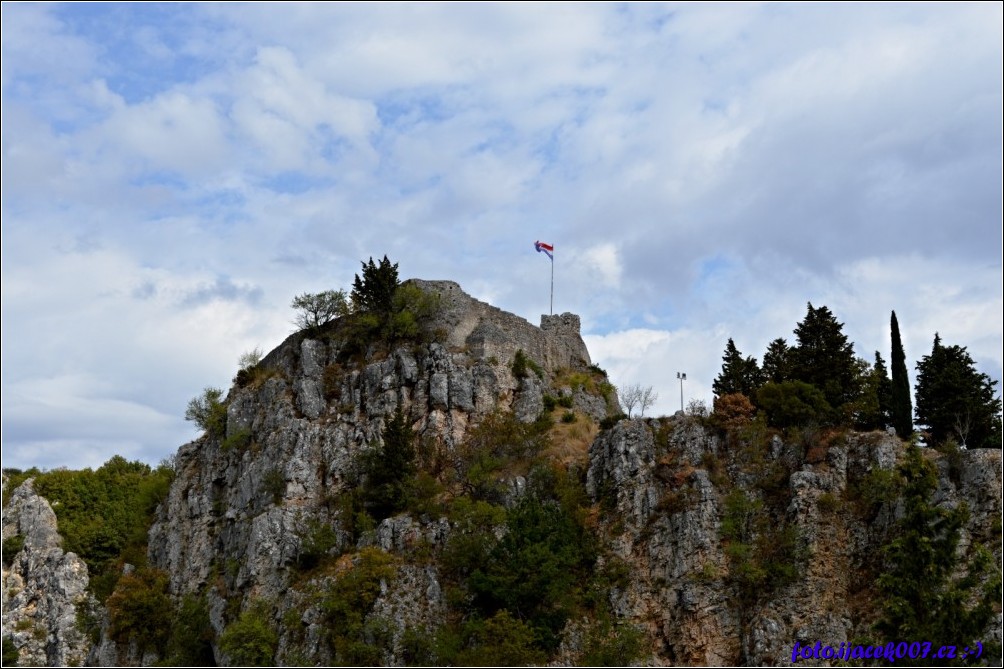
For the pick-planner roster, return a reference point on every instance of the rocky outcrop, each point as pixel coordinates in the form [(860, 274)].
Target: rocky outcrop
[(728, 550), (44, 587), (241, 507), (667, 485)]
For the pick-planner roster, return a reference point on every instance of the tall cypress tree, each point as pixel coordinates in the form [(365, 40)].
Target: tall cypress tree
[(901, 405)]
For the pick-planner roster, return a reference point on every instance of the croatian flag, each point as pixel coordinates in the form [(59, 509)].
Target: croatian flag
[(546, 248)]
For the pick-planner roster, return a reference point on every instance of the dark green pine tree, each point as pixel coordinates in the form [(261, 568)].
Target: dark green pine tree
[(954, 401), (389, 468), (883, 387), (921, 597), (777, 362), (738, 375), (373, 293), (871, 410), (824, 358), (901, 406)]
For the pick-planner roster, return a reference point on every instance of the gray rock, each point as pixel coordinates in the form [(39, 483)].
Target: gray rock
[(44, 587), (529, 400)]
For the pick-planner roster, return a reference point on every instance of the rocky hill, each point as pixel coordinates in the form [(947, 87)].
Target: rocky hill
[(515, 529)]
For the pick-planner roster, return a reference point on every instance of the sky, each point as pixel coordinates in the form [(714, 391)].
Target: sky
[(174, 174)]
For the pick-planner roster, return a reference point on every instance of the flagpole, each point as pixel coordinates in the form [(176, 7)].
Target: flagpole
[(547, 250), (552, 285)]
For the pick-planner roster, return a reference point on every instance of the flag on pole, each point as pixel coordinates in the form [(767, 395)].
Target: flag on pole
[(545, 248)]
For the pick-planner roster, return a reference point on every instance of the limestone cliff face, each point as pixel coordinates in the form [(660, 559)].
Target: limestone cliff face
[(672, 499), (239, 509), (44, 586), (658, 480)]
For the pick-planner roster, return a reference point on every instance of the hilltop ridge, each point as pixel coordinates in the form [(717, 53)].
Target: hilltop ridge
[(472, 494)]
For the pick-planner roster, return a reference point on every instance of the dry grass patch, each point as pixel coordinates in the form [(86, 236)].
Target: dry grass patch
[(570, 442)]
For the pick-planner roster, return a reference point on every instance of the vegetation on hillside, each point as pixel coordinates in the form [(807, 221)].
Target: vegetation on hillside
[(527, 564), (820, 382), (922, 595), (103, 514)]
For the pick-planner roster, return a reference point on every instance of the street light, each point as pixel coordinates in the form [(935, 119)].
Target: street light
[(682, 377)]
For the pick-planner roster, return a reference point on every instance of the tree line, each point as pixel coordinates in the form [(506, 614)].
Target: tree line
[(820, 380)]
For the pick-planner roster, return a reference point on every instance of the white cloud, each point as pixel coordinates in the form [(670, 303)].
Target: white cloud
[(602, 259), (704, 170), (294, 116), (174, 132)]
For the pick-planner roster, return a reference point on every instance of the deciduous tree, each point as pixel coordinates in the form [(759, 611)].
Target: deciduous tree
[(635, 396), (317, 309)]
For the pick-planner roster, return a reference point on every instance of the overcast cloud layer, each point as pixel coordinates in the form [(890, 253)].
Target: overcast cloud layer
[(174, 174)]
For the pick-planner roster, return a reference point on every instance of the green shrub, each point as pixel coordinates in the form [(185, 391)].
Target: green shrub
[(533, 567), (953, 457), (499, 444), (522, 365), (499, 641), (316, 542), (828, 503), (250, 371), (11, 654), (422, 493), (251, 640), (191, 641), (346, 605), (607, 645), (793, 404), (608, 422), (763, 554), (139, 610), (418, 648), (568, 417), (104, 515), (238, 441), (274, 484), (922, 592), (209, 412), (519, 366), (15, 477), (387, 469), (475, 524), (11, 547), (873, 490)]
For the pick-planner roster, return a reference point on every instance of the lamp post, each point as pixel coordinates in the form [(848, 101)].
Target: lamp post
[(683, 377)]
